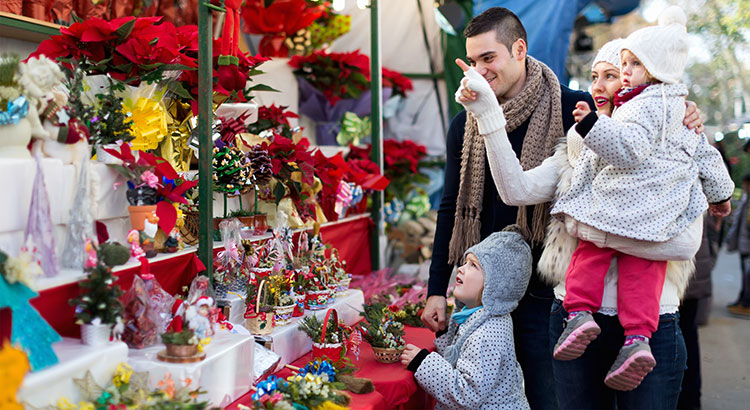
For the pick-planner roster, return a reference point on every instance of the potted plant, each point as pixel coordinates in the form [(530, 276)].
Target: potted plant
[(231, 174), (384, 333), (259, 316), (341, 277), (282, 299), (180, 342), (328, 336), (97, 308), (110, 123)]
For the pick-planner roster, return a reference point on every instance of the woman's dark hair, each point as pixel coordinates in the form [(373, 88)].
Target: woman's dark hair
[(506, 25)]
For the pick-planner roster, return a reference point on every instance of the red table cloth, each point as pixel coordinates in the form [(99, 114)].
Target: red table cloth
[(395, 387)]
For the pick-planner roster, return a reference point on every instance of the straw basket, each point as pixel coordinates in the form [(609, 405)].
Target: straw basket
[(387, 355), (343, 285), (321, 349), (257, 322), (190, 229)]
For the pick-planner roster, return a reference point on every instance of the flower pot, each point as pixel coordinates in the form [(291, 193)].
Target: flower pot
[(138, 215), (299, 307), (181, 350), (283, 314), (95, 335), (247, 221), (387, 355), (317, 299), (260, 224), (104, 156), (14, 138)]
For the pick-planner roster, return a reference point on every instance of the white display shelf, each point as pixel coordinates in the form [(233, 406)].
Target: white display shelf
[(68, 276), (45, 387), (225, 374)]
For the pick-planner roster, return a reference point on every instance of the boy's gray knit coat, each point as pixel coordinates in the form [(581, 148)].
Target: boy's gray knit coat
[(475, 365)]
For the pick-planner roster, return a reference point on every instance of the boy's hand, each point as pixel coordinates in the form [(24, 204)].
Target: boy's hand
[(721, 209), (582, 110), (408, 354)]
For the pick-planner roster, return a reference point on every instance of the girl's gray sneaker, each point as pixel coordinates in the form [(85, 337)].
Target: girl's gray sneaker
[(633, 363), (578, 333)]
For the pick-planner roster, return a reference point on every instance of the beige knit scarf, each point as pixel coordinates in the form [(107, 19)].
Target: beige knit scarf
[(539, 99)]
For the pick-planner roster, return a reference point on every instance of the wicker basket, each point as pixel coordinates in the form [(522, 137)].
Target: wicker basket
[(260, 323), (191, 228), (321, 349), (283, 314), (387, 355)]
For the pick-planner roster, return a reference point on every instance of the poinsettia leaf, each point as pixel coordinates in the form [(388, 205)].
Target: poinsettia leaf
[(122, 170), (262, 87), (178, 89), (278, 192), (124, 30), (167, 216)]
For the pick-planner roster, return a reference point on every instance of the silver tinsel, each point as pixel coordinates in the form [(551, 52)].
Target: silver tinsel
[(81, 224), (39, 236)]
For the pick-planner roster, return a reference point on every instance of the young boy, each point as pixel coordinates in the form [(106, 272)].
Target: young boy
[(475, 365)]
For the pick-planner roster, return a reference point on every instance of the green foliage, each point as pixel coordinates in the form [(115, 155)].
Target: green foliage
[(185, 337), (241, 213), (110, 123), (114, 254), (99, 297), (382, 329), (314, 329)]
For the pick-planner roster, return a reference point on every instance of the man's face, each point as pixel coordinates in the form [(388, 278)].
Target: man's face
[(505, 71)]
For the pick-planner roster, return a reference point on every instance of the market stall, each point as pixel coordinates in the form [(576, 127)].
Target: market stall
[(169, 238)]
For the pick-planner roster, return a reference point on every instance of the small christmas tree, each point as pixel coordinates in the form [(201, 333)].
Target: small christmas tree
[(111, 123), (99, 295)]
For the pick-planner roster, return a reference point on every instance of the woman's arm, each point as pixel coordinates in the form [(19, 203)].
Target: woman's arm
[(514, 185)]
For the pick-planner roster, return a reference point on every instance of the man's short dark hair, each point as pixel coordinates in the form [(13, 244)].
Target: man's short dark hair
[(746, 178), (507, 26)]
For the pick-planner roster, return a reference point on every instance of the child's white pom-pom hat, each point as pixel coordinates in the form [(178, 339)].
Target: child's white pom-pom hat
[(662, 49)]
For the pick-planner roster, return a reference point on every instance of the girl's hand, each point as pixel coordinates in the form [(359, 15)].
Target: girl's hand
[(408, 354), (582, 110), (721, 209)]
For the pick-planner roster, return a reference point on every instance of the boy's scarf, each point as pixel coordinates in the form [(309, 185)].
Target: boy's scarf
[(539, 99)]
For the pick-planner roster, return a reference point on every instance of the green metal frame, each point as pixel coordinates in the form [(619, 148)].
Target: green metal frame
[(24, 28), (205, 119), (376, 154)]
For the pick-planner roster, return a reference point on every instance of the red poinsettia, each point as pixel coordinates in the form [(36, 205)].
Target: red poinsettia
[(336, 75), (397, 81), (277, 20), (129, 49)]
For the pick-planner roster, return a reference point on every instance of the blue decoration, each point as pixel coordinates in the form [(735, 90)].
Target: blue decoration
[(265, 387), (17, 109), (29, 328), (317, 368)]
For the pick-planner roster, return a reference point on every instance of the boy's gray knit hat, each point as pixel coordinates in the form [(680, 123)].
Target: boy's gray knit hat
[(505, 258)]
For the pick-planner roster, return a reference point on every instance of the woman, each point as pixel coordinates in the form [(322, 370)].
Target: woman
[(579, 383)]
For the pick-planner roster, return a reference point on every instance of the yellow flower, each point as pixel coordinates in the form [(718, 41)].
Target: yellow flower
[(329, 405), (122, 374), (84, 405), (64, 404)]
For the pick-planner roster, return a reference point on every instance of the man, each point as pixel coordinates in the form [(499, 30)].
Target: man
[(538, 111)]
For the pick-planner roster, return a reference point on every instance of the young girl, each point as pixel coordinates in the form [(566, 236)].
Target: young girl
[(475, 365), (641, 175)]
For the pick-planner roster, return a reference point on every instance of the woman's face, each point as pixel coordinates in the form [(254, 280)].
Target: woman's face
[(605, 81)]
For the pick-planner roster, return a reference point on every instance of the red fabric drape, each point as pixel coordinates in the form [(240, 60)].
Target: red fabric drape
[(172, 274)]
